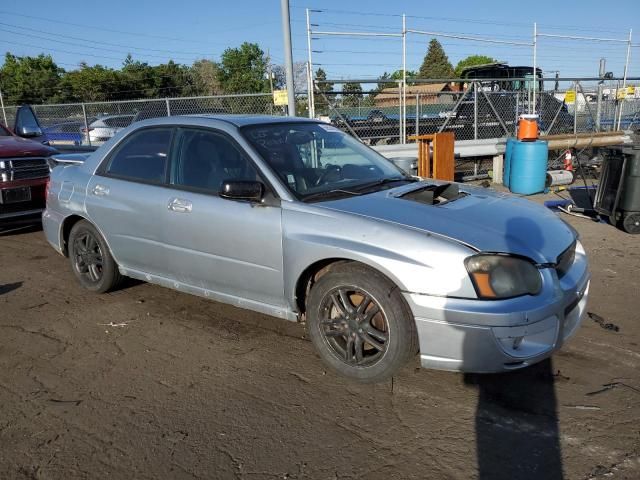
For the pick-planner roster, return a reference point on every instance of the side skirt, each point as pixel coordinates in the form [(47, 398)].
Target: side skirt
[(267, 309)]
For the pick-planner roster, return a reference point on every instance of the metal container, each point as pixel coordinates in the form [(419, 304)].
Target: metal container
[(559, 177), (407, 164)]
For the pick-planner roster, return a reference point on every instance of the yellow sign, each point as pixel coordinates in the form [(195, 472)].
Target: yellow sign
[(631, 91), (621, 93), (570, 96), (280, 98)]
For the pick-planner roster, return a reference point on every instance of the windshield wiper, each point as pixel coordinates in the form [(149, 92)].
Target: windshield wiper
[(385, 181), (330, 193)]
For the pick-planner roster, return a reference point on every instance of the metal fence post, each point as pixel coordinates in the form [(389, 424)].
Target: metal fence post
[(86, 123), (401, 129), (575, 109), (4, 114), (417, 113), (166, 100), (475, 110)]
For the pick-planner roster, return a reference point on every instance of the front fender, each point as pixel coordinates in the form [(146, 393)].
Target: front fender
[(415, 261)]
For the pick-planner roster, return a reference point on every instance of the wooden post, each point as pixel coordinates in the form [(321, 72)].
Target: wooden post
[(498, 162)]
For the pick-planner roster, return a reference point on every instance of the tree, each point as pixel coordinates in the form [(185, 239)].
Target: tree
[(205, 75), (243, 69), (29, 79), (299, 76), (390, 81), (436, 63), (470, 61), (322, 90), (90, 84), (351, 94)]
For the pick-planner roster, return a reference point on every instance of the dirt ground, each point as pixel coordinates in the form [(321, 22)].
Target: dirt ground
[(146, 382)]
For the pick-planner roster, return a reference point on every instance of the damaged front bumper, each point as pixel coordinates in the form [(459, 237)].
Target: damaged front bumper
[(484, 336)]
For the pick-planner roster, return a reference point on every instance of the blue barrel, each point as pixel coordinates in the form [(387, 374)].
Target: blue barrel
[(528, 167), (507, 161)]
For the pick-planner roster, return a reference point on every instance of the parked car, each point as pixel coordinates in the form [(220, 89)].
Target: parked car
[(296, 219), (104, 128), (66, 133), (24, 172)]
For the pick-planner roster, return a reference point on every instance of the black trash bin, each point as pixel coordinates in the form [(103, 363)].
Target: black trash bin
[(618, 194)]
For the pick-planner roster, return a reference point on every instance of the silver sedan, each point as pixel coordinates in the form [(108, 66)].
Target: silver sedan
[(295, 219)]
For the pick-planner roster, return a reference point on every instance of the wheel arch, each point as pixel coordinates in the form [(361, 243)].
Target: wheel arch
[(313, 272), (65, 230)]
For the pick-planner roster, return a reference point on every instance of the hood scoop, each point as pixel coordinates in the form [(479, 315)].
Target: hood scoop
[(435, 194)]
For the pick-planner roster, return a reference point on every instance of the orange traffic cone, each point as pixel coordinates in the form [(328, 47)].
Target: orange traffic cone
[(568, 161)]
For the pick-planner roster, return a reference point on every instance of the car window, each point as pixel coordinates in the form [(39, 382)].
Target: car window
[(142, 156), (204, 159), (118, 122), (315, 158)]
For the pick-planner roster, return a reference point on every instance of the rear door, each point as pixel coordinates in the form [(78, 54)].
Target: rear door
[(226, 246), (127, 199)]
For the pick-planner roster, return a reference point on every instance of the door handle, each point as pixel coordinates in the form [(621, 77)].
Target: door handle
[(180, 205), (100, 190)]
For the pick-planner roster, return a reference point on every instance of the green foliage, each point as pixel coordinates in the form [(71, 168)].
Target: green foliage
[(205, 75), (436, 63), (390, 80), (471, 61), (243, 69), (321, 104), (29, 79), (351, 94)]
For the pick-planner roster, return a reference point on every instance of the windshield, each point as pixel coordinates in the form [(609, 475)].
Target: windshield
[(316, 160)]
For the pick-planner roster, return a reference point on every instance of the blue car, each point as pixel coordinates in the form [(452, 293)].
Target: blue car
[(68, 133)]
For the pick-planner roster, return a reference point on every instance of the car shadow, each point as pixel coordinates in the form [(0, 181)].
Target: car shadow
[(516, 421), (19, 228), (9, 287)]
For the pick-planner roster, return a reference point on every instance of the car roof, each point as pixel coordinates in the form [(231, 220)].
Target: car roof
[(243, 120)]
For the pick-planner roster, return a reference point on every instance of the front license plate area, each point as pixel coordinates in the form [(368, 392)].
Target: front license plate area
[(15, 195)]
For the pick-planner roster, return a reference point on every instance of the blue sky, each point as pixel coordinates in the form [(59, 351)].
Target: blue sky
[(154, 31)]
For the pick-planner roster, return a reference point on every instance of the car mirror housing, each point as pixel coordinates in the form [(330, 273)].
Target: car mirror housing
[(28, 131), (242, 190)]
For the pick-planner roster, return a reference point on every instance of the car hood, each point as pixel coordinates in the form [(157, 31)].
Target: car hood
[(21, 147), (483, 219)]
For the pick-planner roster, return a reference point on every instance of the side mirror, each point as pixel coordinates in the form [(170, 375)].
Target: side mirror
[(29, 131), (242, 190)]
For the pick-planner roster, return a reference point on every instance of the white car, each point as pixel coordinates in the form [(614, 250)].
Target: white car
[(104, 128)]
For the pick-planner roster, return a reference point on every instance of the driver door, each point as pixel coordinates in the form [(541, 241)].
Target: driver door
[(225, 246)]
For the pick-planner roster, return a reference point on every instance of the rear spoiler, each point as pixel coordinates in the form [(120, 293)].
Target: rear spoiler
[(70, 158)]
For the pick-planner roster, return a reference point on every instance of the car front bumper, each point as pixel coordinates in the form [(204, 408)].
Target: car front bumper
[(484, 336)]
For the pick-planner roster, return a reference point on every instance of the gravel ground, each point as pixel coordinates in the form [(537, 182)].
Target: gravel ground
[(146, 382)]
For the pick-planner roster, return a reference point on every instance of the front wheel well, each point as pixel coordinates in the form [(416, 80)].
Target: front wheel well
[(318, 269), (67, 225)]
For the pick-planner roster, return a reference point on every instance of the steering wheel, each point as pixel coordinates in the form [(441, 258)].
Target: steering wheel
[(329, 170)]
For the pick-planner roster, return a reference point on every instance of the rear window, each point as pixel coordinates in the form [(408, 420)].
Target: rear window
[(118, 122), (142, 156)]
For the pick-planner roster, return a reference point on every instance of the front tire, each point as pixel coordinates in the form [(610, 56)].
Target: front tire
[(91, 261), (359, 323)]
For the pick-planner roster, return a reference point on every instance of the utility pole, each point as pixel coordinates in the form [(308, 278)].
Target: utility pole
[(288, 57)]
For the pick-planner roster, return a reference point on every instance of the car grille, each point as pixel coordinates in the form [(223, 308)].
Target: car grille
[(23, 168), (565, 260)]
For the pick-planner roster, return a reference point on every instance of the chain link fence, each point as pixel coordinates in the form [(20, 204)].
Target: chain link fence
[(380, 114), (92, 123)]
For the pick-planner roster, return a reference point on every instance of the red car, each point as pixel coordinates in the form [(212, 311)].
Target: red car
[(24, 173)]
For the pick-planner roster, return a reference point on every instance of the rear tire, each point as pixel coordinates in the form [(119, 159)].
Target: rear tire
[(91, 261), (631, 223), (359, 323)]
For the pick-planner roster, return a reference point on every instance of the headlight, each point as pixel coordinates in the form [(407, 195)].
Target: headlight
[(502, 276)]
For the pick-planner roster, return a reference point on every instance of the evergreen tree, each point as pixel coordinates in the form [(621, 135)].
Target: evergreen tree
[(436, 63), (322, 89), (351, 94)]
